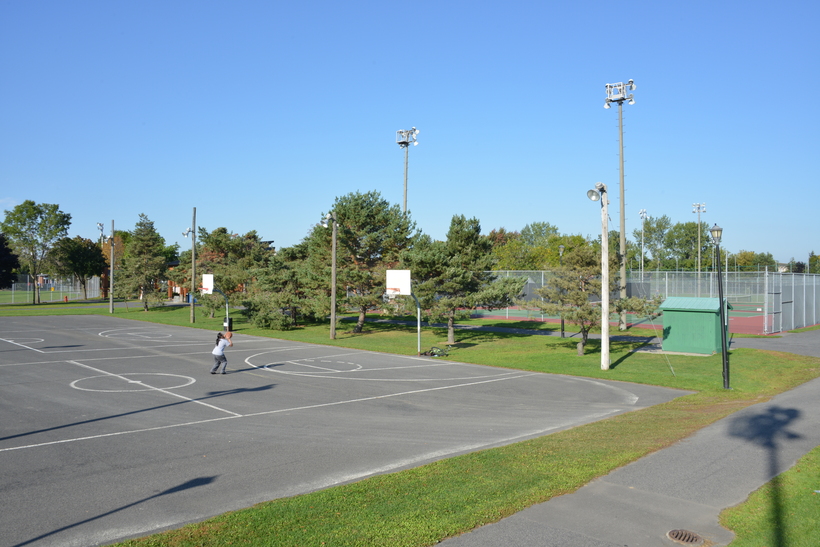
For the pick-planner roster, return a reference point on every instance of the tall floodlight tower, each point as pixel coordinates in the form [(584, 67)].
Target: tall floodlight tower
[(643, 216), (404, 139), (617, 93), (699, 208)]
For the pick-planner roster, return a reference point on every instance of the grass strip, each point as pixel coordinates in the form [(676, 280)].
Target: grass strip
[(784, 511)]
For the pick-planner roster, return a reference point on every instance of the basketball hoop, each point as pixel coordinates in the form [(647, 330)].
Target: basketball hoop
[(392, 292)]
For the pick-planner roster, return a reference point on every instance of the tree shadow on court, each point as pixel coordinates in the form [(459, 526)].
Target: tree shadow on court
[(765, 429), (239, 390), (210, 395), (193, 483)]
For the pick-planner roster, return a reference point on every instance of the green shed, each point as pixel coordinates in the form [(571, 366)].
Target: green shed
[(692, 325)]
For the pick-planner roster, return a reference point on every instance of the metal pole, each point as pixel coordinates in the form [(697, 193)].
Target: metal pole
[(699, 247), (406, 158), (605, 279), (561, 260), (643, 222), (622, 281), (723, 324), (111, 276), (418, 324), (193, 267), (333, 282)]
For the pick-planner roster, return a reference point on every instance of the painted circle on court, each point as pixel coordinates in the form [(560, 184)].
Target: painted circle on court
[(138, 333), (24, 341), (133, 381), (341, 369)]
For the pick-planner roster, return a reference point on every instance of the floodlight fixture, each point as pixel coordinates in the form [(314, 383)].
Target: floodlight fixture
[(617, 93), (405, 137)]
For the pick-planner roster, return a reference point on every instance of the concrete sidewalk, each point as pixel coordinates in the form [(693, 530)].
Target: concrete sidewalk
[(683, 487)]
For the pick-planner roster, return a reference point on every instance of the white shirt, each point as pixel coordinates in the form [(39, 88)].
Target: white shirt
[(220, 347)]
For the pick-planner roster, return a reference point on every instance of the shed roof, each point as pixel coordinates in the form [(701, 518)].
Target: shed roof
[(692, 303)]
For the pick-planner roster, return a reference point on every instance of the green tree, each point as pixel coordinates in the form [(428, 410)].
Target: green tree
[(681, 240), (570, 291), (234, 260), (654, 240), (8, 263), (283, 291), (372, 234), (535, 248), (77, 257), (451, 277), (752, 261), (33, 228), (144, 267)]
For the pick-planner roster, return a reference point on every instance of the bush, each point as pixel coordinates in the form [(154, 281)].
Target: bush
[(263, 311)]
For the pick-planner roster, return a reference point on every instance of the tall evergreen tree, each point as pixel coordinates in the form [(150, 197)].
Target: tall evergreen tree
[(371, 234), (144, 267), (569, 292), (451, 277)]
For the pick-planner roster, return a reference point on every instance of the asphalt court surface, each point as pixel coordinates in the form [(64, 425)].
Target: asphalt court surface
[(112, 428)]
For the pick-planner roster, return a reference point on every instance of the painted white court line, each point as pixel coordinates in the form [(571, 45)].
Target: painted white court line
[(119, 358), (103, 435), (22, 345), (436, 455), (387, 396), (76, 383), (155, 388), (279, 411)]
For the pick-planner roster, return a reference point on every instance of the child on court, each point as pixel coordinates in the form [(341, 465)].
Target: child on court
[(222, 341)]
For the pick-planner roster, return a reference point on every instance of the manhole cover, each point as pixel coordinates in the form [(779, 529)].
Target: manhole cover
[(685, 536)]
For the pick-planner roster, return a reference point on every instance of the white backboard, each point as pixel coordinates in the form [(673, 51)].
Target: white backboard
[(398, 283), (207, 283)]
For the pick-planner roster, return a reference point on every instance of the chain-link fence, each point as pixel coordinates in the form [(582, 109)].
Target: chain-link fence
[(51, 290), (763, 302)]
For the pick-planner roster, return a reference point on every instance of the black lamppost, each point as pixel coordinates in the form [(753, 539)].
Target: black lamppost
[(717, 233), (561, 260)]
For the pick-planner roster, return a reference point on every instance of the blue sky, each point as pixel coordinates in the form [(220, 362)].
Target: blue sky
[(260, 113)]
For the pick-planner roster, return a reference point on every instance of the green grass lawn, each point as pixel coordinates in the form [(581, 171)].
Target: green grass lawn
[(786, 511), (424, 505)]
